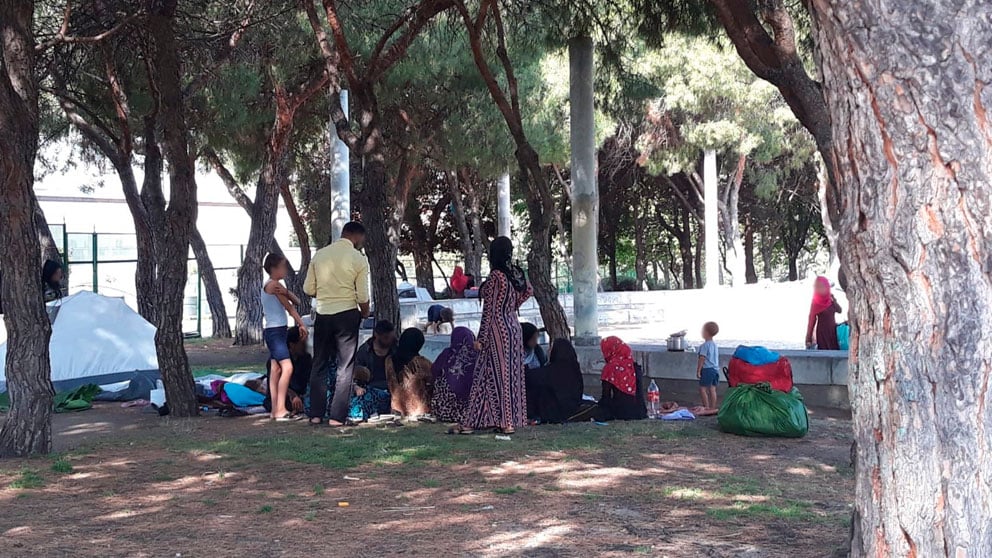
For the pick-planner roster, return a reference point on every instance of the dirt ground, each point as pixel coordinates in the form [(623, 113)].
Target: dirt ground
[(126, 483)]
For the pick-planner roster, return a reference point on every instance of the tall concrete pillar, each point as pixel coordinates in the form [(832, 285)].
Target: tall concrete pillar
[(503, 205), (712, 217), (585, 195), (340, 177)]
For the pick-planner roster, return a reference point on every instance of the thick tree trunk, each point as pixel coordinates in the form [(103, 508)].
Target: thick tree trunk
[(27, 428), (793, 266), (611, 253), (49, 249), (221, 327), (468, 223), (383, 217), (248, 328), (909, 100), (180, 217)]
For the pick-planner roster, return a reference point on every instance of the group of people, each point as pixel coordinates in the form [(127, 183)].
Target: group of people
[(500, 379)]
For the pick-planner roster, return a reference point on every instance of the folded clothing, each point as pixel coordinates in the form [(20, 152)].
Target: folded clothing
[(757, 356)]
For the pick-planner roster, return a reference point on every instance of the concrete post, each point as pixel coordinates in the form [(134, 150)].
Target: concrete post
[(585, 194), (711, 215), (340, 176), (503, 203)]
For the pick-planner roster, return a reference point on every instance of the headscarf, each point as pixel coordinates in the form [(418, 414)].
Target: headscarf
[(49, 269), (619, 367), (501, 259), (821, 302), (411, 341), (457, 362), (459, 281)]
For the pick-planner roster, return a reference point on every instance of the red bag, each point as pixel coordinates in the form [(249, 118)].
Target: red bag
[(778, 374)]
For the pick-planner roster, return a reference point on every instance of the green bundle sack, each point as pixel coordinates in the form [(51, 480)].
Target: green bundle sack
[(759, 410)]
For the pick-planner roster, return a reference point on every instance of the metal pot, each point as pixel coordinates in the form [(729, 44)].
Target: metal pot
[(676, 342)]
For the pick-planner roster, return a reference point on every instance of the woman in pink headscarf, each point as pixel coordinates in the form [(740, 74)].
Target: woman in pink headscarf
[(821, 331)]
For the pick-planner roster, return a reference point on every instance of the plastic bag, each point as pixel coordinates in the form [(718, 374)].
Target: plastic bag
[(759, 410), (844, 336)]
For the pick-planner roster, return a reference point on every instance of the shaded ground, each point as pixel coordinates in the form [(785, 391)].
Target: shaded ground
[(132, 484)]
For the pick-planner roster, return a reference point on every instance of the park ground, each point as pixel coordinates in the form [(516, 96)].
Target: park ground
[(127, 483)]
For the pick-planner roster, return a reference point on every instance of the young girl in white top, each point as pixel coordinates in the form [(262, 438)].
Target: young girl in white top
[(276, 301)]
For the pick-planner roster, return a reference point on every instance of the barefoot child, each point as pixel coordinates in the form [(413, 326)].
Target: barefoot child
[(708, 366), (276, 301)]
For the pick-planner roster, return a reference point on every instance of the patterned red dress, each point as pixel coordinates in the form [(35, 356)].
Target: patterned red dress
[(498, 396)]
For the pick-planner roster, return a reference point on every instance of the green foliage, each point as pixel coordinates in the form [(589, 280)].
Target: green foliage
[(27, 479)]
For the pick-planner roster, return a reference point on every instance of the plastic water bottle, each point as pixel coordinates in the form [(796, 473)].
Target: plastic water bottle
[(654, 400)]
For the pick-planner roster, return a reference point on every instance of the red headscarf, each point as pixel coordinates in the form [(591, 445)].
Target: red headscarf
[(821, 302), (459, 281), (619, 368)]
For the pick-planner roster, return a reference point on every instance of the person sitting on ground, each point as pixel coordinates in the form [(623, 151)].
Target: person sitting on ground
[(471, 289), (453, 372), (373, 355), (51, 280), (459, 282), (821, 330), (299, 381), (708, 366), (365, 400), (534, 356), (409, 375), (623, 394), (554, 391), (437, 317)]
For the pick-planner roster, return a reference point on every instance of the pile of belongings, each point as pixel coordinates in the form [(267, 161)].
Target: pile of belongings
[(762, 400)]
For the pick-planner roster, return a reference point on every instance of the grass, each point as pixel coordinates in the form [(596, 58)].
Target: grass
[(318, 489), (787, 510), (310, 516), (507, 490), (27, 479), (62, 465), (265, 509), (419, 445), (430, 483)]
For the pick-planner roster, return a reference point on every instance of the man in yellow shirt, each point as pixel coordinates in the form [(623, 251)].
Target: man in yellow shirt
[(339, 279)]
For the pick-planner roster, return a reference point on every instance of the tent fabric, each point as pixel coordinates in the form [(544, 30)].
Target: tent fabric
[(95, 340)]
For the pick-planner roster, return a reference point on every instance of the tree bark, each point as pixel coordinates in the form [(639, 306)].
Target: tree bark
[(221, 327), (28, 426), (180, 216), (383, 218), (640, 248), (272, 182), (909, 97), (540, 199), (749, 270)]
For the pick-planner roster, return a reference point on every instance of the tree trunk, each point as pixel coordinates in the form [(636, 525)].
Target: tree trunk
[(685, 251), (793, 266), (180, 217), (908, 97), (611, 249), (640, 250), (382, 214), (539, 263), (767, 248), (28, 426), (749, 271), (248, 330), (49, 249), (698, 259), (221, 327)]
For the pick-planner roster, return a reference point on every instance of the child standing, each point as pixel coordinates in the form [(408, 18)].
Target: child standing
[(708, 366), (276, 301)]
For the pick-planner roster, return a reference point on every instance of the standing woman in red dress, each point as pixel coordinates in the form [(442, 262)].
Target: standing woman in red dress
[(498, 396), (822, 322)]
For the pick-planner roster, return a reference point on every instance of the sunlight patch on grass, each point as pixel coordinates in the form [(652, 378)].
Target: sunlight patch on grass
[(788, 510)]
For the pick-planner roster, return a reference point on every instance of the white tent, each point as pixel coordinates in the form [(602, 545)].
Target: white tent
[(95, 340)]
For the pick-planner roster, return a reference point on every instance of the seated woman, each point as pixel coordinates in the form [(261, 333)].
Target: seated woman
[(51, 280), (534, 356), (409, 376), (623, 392), (554, 392), (453, 372)]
